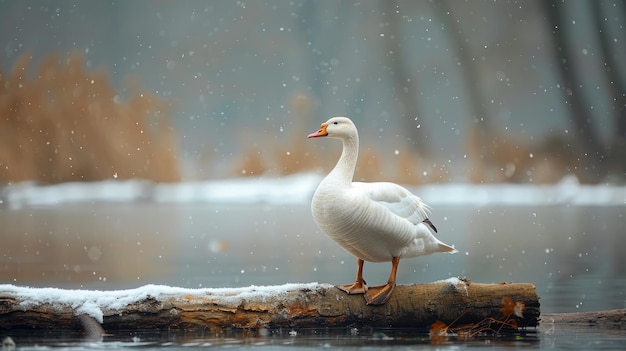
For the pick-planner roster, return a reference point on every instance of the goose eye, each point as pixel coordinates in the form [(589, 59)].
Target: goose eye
[(335, 122)]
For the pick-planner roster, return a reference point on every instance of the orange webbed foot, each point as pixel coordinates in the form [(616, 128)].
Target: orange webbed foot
[(358, 287), (379, 295)]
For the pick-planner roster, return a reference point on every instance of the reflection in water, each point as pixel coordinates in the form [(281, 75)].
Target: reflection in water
[(87, 244), (286, 339), (572, 254)]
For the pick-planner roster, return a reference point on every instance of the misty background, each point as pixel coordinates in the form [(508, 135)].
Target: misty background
[(441, 91)]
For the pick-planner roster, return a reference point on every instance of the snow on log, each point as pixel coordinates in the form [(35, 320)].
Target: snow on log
[(288, 306)]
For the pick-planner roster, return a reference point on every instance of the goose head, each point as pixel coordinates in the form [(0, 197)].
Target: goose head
[(337, 128)]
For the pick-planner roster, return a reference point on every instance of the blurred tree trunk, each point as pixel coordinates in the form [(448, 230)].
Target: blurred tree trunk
[(480, 113), (404, 82), (314, 28), (616, 84), (592, 154), (481, 133)]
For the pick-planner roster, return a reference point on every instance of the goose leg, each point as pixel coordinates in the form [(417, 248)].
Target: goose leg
[(358, 287), (378, 295)]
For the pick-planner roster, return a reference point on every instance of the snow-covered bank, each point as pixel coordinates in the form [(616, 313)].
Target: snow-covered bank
[(567, 191), (298, 189), (291, 189)]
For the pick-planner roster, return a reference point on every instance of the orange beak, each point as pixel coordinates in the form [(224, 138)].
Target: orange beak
[(320, 133)]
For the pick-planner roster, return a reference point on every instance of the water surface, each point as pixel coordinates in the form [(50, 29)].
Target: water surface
[(573, 253)]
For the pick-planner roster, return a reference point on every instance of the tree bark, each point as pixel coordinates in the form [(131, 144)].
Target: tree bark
[(298, 306)]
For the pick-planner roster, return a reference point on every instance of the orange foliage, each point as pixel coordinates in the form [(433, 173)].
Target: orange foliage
[(438, 328), (499, 157), (251, 164), (68, 124), (510, 308)]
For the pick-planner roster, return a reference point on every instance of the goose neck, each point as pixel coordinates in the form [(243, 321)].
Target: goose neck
[(347, 162)]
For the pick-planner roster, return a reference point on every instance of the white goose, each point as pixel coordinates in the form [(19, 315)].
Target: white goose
[(376, 222)]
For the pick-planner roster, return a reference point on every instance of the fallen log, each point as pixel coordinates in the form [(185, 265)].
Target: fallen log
[(610, 319), (313, 305)]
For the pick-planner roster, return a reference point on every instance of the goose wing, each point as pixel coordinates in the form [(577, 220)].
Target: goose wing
[(396, 199)]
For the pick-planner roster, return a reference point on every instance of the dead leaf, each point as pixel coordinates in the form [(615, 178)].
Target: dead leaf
[(438, 328), (512, 308)]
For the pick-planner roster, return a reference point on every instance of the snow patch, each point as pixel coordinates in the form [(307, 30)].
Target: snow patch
[(451, 281), (456, 283)]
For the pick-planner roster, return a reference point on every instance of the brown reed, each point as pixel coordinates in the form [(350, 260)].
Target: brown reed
[(69, 124), (506, 158)]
